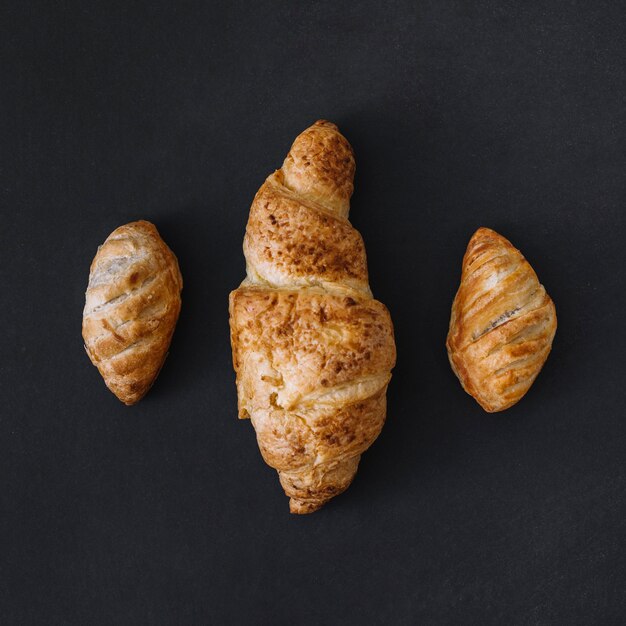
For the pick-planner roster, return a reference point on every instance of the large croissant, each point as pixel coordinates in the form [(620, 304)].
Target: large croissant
[(131, 308), (502, 324), (312, 350)]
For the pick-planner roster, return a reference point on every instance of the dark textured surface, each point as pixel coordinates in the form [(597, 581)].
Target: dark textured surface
[(503, 114)]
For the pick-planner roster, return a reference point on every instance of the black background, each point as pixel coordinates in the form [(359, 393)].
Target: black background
[(504, 114)]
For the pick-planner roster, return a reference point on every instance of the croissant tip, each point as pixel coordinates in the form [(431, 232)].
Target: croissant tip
[(325, 123), (129, 401), (488, 408), (491, 409), (485, 230), (299, 507), (140, 224), (487, 236)]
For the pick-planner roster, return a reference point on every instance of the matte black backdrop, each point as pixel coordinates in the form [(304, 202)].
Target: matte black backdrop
[(504, 114)]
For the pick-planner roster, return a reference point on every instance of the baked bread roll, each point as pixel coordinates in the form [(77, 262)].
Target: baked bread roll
[(312, 350), (502, 324), (131, 308)]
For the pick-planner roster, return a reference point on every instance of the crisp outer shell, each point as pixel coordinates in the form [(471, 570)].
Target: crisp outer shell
[(312, 370), (132, 305), (502, 324), (292, 241)]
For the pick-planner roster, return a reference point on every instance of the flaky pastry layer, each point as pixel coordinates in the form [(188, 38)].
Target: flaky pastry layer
[(502, 323)]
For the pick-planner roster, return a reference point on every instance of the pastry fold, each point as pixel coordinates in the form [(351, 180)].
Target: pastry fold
[(132, 305), (502, 323), (312, 350)]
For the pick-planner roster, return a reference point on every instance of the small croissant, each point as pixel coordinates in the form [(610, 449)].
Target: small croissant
[(502, 324), (131, 309), (313, 351)]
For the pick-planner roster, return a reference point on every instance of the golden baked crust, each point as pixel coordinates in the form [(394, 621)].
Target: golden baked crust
[(131, 308), (502, 324), (313, 351)]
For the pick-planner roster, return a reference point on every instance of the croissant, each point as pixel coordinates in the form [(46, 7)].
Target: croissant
[(502, 324), (131, 308), (312, 350)]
